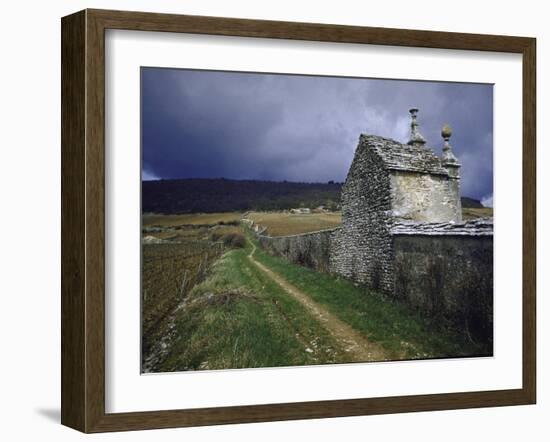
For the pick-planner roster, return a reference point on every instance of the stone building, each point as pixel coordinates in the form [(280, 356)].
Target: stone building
[(388, 182), (402, 232)]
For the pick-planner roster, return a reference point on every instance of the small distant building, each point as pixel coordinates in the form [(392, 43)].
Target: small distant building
[(301, 210)]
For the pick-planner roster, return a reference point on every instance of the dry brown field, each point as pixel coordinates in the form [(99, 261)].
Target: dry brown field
[(150, 220), (285, 223), (471, 213)]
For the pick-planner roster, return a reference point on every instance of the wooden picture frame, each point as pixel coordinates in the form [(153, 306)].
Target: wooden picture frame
[(83, 220)]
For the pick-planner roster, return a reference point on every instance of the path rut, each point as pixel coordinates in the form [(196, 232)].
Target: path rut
[(358, 347)]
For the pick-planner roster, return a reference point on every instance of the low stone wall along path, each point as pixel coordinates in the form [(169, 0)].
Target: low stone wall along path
[(352, 341)]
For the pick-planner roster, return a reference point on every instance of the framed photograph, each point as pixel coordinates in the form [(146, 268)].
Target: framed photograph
[(269, 220)]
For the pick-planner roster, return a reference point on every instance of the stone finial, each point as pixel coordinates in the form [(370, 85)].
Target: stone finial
[(446, 132), (448, 156), (416, 137)]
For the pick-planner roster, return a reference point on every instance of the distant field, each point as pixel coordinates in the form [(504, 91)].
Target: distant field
[(191, 218), (471, 213), (277, 223), (282, 223)]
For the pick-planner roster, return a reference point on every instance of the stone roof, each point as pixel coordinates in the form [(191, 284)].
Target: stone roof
[(406, 157), (475, 227)]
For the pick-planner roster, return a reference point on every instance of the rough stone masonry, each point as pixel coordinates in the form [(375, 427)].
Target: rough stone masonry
[(402, 232)]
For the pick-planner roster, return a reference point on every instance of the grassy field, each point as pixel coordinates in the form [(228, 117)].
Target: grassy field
[(284, 223), (177, 252), (239, 318), (391, 324), (205, 310)]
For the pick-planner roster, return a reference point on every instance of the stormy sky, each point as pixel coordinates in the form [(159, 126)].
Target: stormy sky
[(207, 124)]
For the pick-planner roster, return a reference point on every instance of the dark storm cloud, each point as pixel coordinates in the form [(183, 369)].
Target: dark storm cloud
[(299, 128)]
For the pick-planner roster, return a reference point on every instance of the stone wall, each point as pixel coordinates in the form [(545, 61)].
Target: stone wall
[(447, 275), (425, 197), (402, 235), (362, 249), (308, 249)]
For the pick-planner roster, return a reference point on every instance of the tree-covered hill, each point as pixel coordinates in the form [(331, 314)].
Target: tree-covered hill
[(224, 195)]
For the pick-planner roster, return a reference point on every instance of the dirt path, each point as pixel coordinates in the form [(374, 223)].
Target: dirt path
[(353, 342)]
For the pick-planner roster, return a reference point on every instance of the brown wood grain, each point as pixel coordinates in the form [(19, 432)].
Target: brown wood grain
[(83, 219), (73, 253), (529, 220)]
